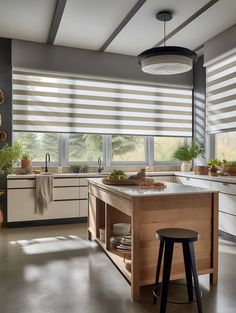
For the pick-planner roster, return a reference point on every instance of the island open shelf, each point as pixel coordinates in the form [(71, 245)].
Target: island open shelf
[(148, 210)]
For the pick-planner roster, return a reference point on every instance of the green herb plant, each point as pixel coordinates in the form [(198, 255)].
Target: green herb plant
[(8, 156), (187, 152), (26, 156)]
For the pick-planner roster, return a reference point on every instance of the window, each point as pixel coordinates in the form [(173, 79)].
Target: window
[(128, 148), (85, 147), (221, 93), (164, 147), (38, 144), (52, 102), (225, 146)]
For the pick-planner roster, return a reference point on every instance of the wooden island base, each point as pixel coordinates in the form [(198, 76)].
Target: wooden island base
[(197, 211)]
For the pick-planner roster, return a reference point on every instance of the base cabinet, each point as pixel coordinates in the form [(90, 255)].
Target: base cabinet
[(70, 200), (227, 214), (227, 200)]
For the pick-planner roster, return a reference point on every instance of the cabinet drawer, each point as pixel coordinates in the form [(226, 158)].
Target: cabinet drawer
[(21, 183), (83, 193), (227, 203), (83, 182), (227, 223), (83, 208), (224, 187), (59, 182), (193, 182), (67, 193)]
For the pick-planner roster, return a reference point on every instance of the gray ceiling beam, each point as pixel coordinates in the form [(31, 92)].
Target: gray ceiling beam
[(127, 18), (188, 21), (56, 21)]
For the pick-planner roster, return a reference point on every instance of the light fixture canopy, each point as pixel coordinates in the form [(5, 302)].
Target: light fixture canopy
[(166, 60)]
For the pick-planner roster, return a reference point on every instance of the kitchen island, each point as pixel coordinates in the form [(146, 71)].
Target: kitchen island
[(148, 210)]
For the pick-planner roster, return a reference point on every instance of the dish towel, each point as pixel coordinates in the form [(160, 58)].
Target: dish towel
[(44, 193)]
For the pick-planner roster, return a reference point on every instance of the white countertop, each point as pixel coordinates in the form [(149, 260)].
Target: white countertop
[(84, 175), (136, 191), (229, 179)]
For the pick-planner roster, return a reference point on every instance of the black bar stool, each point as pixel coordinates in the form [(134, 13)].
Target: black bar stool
[(168, 237)]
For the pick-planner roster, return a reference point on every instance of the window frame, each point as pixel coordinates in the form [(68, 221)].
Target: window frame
[(52, 164), (63, 154), (129, 162), (90, 163)]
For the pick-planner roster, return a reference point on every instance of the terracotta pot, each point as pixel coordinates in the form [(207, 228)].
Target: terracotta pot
[(231, 170), (201, 170), (25, 163)]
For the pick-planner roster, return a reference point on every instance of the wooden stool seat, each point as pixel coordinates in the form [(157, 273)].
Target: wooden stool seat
[(168, 237), (177, 234)]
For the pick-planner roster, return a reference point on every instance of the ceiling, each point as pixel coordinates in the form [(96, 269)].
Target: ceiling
[(124, 26)]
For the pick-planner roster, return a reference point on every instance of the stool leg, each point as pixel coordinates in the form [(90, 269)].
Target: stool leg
[(195, 277), (188, 270), (166, 275), (160, 253)]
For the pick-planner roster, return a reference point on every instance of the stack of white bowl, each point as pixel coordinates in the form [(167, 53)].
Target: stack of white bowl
[(121, 229), (121, 235)]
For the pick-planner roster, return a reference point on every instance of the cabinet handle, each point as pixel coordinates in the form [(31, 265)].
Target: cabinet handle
[(225, 183)]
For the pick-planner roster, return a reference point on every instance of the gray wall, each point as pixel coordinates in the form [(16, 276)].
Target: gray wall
[(6, 86), (220, 44), (87, 62), (6, 107), (199, 102)]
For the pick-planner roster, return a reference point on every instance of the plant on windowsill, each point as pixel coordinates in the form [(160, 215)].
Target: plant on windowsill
[(8, 156), (214, 165), (26, 160), (187, 152), (229, 167), (79, 168)]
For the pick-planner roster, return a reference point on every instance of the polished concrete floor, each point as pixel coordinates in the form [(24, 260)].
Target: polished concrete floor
[(54, 269)]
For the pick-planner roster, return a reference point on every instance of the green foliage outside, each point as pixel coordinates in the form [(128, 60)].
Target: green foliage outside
[(128, 148), (164, 148), (37, 144), (85, 147), (187, 152)]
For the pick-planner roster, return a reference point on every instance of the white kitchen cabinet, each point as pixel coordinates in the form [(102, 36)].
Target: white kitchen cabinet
[(224, 187), (21, 207), (227, 200), (66, 193), (193, 182), (70, 199), (83, 208), (227, 214), (83, 194)]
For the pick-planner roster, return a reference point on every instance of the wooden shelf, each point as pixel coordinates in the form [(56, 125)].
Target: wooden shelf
[(117, 258)]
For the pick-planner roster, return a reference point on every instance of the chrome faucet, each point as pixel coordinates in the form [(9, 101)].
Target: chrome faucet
[(47, 160), (100, 168)]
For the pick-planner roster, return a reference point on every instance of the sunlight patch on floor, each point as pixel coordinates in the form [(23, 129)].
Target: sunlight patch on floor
[(51, 244)]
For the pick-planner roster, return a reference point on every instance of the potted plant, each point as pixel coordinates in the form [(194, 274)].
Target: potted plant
[(75, 168), (229, 167), (26, 160), (8, 156), (187, 152), (213, 166)]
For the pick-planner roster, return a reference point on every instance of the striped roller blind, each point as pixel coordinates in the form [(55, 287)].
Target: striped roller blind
[(45, 102), (221, 94)]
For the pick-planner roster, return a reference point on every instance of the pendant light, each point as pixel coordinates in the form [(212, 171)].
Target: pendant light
[(166, 60)]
